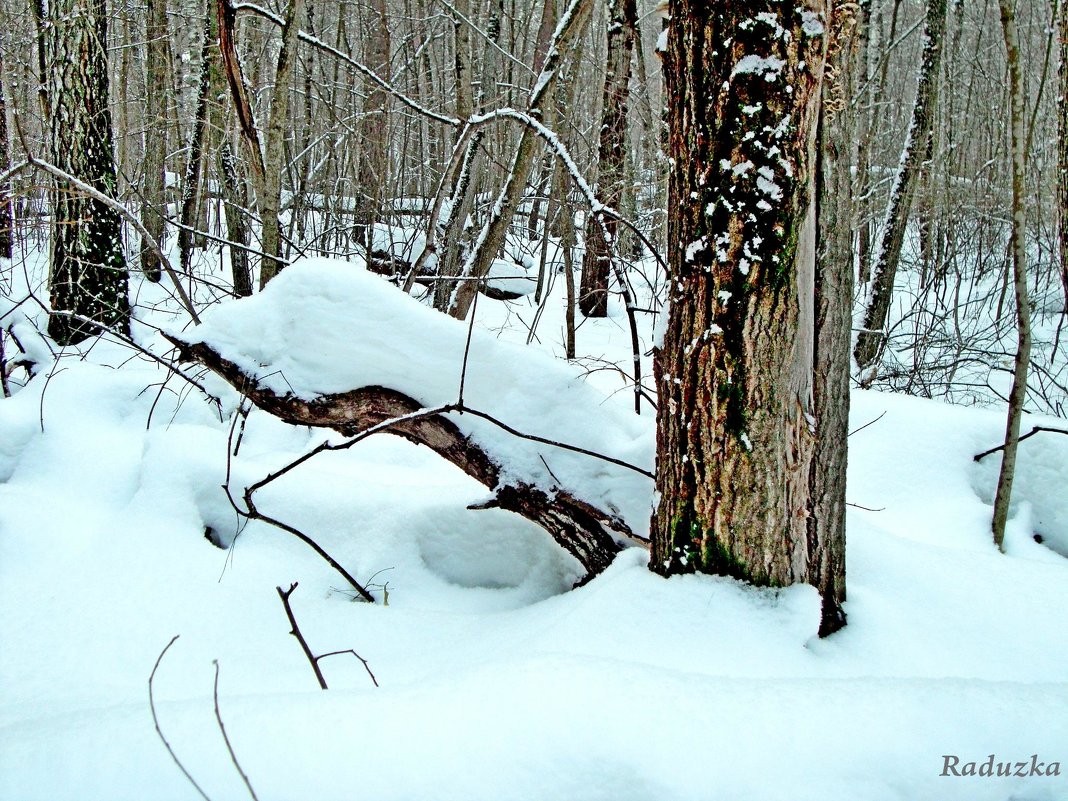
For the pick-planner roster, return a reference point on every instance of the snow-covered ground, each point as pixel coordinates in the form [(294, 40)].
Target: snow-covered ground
[(496, 682)]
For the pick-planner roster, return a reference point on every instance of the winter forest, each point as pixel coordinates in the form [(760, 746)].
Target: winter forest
[(607, 400)]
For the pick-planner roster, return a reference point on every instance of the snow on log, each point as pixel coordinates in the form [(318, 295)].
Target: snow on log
[(328, 344)]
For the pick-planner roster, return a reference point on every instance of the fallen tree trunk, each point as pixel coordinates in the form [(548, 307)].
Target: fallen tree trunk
[(591, 535)]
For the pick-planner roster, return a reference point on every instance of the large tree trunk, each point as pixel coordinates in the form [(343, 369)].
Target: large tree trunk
[(88, 275), (591, 535), (621, 22), (872, 336), (157, 78), (1018, 248), (736, 427)]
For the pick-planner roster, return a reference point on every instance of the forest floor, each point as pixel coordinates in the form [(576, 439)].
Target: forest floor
[(494, 680)]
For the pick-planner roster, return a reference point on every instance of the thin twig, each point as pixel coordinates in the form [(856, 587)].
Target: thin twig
[(313, 660), (366, 666), (295, 631), (155, 720), (869, 423), (563, 445), (1031, 433), (865, 508), (226, 739)]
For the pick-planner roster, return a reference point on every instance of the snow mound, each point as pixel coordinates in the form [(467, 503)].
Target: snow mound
[(323, 326)]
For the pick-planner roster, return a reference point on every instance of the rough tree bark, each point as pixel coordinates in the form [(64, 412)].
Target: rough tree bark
[(157, 77), (736, 431), (194, 157), (88, 275), (833, 305), (872, 337), (589, 534), (1018, 248), (621, 21)]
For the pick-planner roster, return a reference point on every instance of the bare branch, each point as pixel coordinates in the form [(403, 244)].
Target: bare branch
[(155, 720), (226, 739)]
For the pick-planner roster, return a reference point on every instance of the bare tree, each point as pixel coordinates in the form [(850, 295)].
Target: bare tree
[(158, 77), (872, 336), (270, 199), (88, 276), (572, 24), (373, 130), (1018, 247), (620, 22)]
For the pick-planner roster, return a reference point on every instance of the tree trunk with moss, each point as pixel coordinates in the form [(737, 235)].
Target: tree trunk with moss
[(611, 158), (736, 437), (88, 277)]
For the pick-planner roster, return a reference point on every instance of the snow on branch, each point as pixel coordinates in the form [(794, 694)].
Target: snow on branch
[(330, 345)]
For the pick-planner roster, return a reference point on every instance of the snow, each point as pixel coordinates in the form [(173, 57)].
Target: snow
[(496, 681), (770, 67), (379, 336)]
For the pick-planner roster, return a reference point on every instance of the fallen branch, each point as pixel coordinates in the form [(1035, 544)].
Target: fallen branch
[(591, 535), (1029, 434), (313, 660)]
